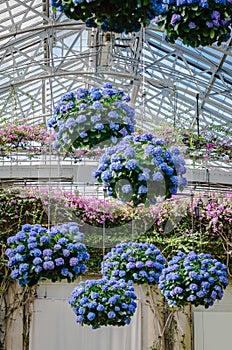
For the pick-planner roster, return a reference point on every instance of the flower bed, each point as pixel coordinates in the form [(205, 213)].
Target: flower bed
[(137, 262), (35, 253), (86, 118), (197, 22), (141, 168), (103, 302), (193, 278), (117, 16)]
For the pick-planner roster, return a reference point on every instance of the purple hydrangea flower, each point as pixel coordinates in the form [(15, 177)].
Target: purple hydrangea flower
[(73, 261), (192, 25), (175, 18), (59, 261), (48, 265), (216, 15), (47, 252)]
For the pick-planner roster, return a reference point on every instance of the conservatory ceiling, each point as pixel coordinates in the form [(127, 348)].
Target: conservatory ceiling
[(43, 56)]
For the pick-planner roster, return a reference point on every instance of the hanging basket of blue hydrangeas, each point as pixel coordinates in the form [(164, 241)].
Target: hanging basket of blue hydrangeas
[(103, 302), (116, 16), (141, 169), (193, 278), (36, 253), (141, 263), (86, 118), (196, 22)]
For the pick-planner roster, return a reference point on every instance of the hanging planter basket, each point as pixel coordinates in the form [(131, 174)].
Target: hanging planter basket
[(141, 169), (35, 253), (116, 16), (193, 278), (92, 117), (103, 302), (140, 263), (196, 22)]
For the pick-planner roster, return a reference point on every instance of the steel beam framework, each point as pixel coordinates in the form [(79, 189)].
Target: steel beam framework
[(43, 55)]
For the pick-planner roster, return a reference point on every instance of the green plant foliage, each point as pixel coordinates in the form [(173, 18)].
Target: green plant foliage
[(117, 16)]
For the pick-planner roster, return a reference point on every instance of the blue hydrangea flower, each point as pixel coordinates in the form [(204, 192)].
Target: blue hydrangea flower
[(99, 126), (131, 164), (106, 175), (130, 154), (103, 311), (158, 176), (111, 314), (197, 286), (95, 119), (97, 105), (42, 261), (126, 188), (37, 261), (81, 119), (131, 261)]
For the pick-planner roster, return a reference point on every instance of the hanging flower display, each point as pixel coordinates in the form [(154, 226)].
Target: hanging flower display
[(115, 16), (196, 22), (141, 168), (193, 278), (137, 262), (86, 118), (36, 252), (103, 302)]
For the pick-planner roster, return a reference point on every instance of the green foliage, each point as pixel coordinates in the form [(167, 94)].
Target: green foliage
[(116, 16)]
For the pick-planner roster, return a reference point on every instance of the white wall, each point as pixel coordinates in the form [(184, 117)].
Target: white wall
[(213, 326)]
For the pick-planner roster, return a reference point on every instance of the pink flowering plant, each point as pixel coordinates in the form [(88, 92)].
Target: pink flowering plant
[(86, 118), (65, 205), (103, 302), (202, 221), (116, 16), (193, 278), (35, 253), (20, 139), (141, 169), (137, 262), (208, 144), (17, 136), (196, 22)]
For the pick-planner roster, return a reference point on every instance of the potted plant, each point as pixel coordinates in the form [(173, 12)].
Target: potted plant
[(193, 278), (92, 117), (36, 252), (141, 169), (137, 262), (103, 302), (117, 16), (196, 22)]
